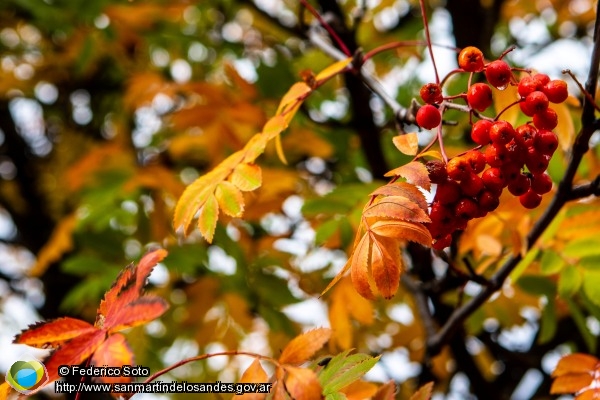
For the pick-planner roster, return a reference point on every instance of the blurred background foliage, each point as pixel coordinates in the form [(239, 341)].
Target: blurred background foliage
[(108, 109)]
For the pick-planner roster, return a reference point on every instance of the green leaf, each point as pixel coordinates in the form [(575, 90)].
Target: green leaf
[(591, 286), (551, 262), (341, 200), (340, 372), (580, 322), (569, 281), (582, 248), (326, 230), (230, 199), (548, 322), (524, 263), (335, 396), (590, 263), (537, 285)]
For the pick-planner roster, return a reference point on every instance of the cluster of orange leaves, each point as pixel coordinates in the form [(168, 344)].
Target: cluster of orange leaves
[(577, 373)]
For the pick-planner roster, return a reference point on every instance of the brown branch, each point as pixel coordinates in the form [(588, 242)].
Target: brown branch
[(562, 196)]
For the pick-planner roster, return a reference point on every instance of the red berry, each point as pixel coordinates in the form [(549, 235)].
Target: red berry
[(498, 74), (458, 168), (556, 91), (437, 171), (511, 171), (493, 180), (517, 151), (527, 133), (501, 132), (442, 243), (488, 201), (541, 183), (496, 155), (428, 117), (541, 79), (530, 199), (447, 192), (525, 108), (528, 84), (442, 214), (466, 209), (480, 132), (476, 160), (520, 185), (470, 59), (431, 93), (546, 119), (536, 162), (536, 102), (546, 142), (479, 96), (471, 185)]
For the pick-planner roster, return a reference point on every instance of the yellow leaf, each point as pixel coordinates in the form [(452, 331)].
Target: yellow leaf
[(414, 172), (489, 245), (230, 199), (253, 374), (279, 150), (333, 69), (246, 176), (432, 153), (565, 130), (504, 98), (304, 346), (296, 94), (302, 383), (207, 220), (60, 242), (339, 318), (407, 144), (274, 126)]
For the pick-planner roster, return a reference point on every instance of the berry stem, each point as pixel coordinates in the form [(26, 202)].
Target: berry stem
[(327, 27), (428, 38), (587, 94), (507, 107)]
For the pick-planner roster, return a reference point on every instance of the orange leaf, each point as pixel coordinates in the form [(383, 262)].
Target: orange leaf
[(54, 333), (279, 392), (59, 243), (207, 219), (591, 394), (5, 390), (403, 189), (114, 352), (339, 319), (304, 346), (424, 392), (136, 313), (570, 383), (407, 144), (254, 374), (576, 363), (402, 230), (385, 267), (303, 384), (386, 392), (397, 207), (359, 390), (359, 271), (247, 176), (74, 352), (414, 172), (230, 199), (333, 69)]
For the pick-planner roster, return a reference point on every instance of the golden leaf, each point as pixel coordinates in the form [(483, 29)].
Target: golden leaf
[(207, 220), (386, 266), (359, 270), (407, 144), (503, 99), (396, 207), (403, 230), (230, 199), (304, 346), (253, 374), (404, 189), (333, 69)]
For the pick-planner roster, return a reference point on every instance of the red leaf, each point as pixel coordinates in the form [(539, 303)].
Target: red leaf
[(127, 288), (54, 333), (139, 312), (414, 172), (74, 352), (114, 352)]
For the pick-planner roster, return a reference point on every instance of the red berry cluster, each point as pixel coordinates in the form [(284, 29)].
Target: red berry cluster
[(469, 185)]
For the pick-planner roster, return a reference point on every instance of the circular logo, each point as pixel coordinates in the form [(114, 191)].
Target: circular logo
[(27, 376)]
